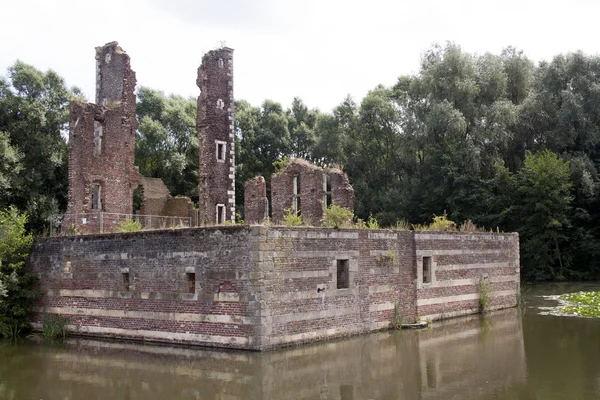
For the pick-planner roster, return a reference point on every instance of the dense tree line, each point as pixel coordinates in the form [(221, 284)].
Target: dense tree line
[(494, 139)]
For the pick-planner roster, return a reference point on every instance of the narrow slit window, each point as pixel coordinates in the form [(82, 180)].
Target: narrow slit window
[(296, 204), (191, 282), (326, 191), (97, 138), (426, 269), (220, 63), (125, 281), (220, 213), (343, 274), (220, 150), (96, 196), (220, 104)]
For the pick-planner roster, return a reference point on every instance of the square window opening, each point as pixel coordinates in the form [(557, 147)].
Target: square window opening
[(343, 274), (191, 282), (426, 269)]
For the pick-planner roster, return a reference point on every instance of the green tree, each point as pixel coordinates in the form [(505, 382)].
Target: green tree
[(34, 113), (167, 143), (544, 209), (16, 284)]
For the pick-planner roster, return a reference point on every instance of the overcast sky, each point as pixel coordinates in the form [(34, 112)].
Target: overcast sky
[(319, 50)]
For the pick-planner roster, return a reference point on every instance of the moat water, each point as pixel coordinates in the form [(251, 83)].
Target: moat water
[(505, 355)]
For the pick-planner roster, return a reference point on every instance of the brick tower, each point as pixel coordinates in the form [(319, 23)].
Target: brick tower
[(102, 176), (215, 124)]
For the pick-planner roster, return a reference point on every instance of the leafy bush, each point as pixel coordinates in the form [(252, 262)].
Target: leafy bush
[(17, 292), (337, 217), (54, 327), (129, 225), (290, 218), (442, 223), (372, 223)]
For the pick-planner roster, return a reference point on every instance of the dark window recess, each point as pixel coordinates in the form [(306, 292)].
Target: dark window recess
[(96, 196), (328, 200), (125, 281), (220, 152), (426, 269), (343, 274), (220, 214), (191, 282)]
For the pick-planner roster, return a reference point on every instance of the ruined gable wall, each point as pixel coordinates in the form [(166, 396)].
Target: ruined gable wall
[(215, 124), (311, 191), (112, 165), (342, 193), (255, 201)]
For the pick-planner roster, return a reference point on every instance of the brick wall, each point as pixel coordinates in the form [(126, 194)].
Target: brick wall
[(255, 200), (82, 279), (265, 287), (216, 179), (109, 164), (459, 261), (312, 190)]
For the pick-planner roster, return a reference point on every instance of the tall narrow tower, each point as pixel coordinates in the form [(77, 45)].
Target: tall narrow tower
[(215, 124), (102, 176)]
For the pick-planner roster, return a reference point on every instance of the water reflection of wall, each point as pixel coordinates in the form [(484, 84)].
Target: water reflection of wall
[(462, 359)]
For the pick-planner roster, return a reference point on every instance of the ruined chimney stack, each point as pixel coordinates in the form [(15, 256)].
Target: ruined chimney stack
[(215, 124)]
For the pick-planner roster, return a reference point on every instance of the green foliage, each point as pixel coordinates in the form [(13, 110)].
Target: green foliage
[(54, 326), (129, 225), (441, 223), (484, 293), (398, 317), (290, 218), (34, 114), (16, 284), (166, 142), (581, 304), (337, 217), (543, 209), (402, 225), (372, 223), (280, 163)]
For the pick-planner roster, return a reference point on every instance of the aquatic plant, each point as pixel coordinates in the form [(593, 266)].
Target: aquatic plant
[(581, 304), (54, 326)]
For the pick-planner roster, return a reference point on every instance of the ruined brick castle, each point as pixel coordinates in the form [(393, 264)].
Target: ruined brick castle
[(256, 286), (102, 175)]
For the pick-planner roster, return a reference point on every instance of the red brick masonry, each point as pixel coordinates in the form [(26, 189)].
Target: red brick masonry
[(258, 288)]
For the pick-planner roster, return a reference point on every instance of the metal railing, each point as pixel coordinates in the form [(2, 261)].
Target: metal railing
[(100, 222)]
